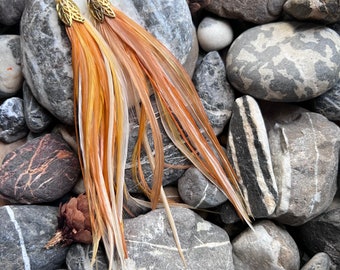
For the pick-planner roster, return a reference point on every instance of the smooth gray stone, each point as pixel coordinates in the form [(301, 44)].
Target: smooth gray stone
[(285, 61), (151, 245), (12, 121), (25, 230), (216, 93), (320, 261), (11, 11), (267, 247)]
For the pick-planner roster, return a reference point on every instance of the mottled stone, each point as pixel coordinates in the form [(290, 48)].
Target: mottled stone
[(10, 65), (256, 11), (10, 11), (267, 247), (37, 118), (305, 149), (42, 170), (205, 246), (285, 61), (214, 90), (248, 148), (25, 230), (316, 10), (197, 191), (320, 261), (214, 34), (328, 104), (12, 120)]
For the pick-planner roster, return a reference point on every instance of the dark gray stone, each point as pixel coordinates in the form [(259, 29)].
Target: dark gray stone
[(37, 118), (249, 151), (12, 121), (285, 61), (10, 11), (266, 247), (214, 90), (25, 230), (205, 246), (42, 170), (320, 261)]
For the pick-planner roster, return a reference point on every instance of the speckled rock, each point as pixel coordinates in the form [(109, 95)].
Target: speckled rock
[(316, 10), (214, 34), (42, 170), (285, 61), (320, 261), (267, 247), (25, 230), (12, 120), (205, 246), (11, 77), (10, 11), (256, 11), (214, 90)]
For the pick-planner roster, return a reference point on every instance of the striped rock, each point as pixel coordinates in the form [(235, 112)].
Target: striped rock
[(285, 61), (250, 154)]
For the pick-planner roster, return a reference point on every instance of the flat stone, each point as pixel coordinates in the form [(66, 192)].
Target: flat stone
[(11, 11), (42, 170), (320, 261), (25, 230), (285, 61)]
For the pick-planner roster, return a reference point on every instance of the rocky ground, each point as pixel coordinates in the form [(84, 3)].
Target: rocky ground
[(268, 74)]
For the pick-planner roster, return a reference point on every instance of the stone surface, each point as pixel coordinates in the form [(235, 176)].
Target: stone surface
[(285, 61), (305, 149), (42, 170), (214, 90), (320, 261), (249, 152), (11, 11), (205, 246), (5, 148), (256, 11), (197, 191), (25, 230), (214, 34), (37, 118), (316, 10), (328, 104), (10, 65), (267, 247), (12, 121)]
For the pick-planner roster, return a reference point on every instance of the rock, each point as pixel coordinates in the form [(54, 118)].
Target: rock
[(316, 10), (196, 5), (267, 247), (322, 233), (214, 34), (256, 11), (10, 65), (5, 148), (37, 118), (285, 61), (197, 191), (214, 90), (328, 104), (305, 149), (249, 152), (10, 11), (205, 246), (25, 230), (42, 170), (12, 121), (319, 261)]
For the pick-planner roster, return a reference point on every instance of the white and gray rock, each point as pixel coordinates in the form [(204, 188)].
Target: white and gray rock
[(25, 230), (267, 247), (305, 149), (249, 152), (11, 77), (12, 120), (37, 118), (214, 34), (320, 261), (285, 61), (205, 246), (316, 10), (10, 11), (214, 90), (197, 191)]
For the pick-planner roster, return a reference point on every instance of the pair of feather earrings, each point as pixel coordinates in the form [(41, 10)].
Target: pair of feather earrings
[(116, 63)]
